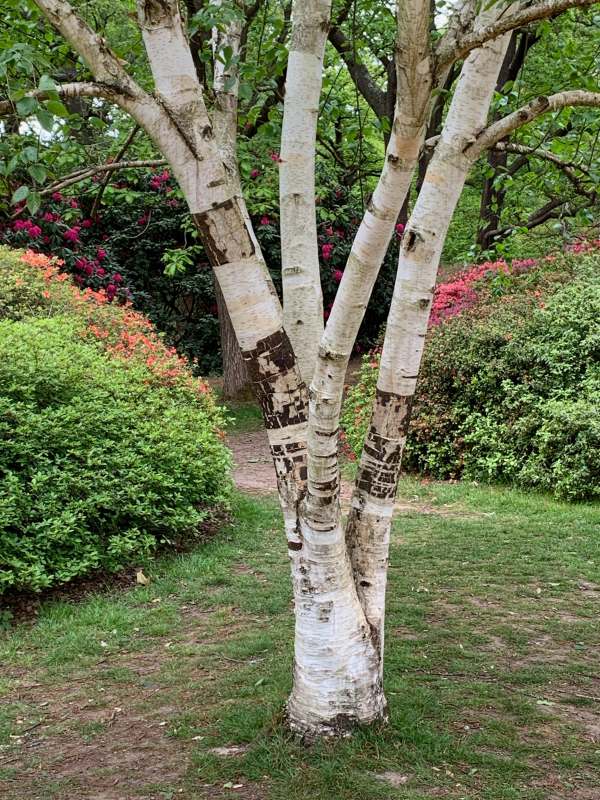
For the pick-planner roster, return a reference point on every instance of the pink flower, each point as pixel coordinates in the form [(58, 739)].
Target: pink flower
[(155, 183), (338, 275), (57, 196), (80, 263), (100, 272), (326, 251), (329, 231), (101, 254), (22, 224), (265, 220), (72, 234), (255, 173), (87, 223), (173, 203), (165, 175), (73, 203), (88, 269), (111, 291), (34, 231), (117, 277), (399, 229), (48, 216), (274, 157)]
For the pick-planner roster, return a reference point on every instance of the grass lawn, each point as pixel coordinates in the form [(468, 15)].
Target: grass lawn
[(176, 689)]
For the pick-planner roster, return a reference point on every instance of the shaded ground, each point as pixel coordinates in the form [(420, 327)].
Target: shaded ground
[(175, 689)]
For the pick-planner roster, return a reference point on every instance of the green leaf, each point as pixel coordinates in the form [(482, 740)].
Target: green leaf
[(26, 106), (45, 119), (57, 108), (46, 84), (20, 194), (34, 201), (37, 172)]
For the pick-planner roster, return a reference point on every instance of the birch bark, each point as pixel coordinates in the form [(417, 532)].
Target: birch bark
[(368, 528), (302, 295)]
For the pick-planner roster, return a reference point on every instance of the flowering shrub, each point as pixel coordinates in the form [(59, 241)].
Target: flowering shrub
[(110, 447), (509, 384)]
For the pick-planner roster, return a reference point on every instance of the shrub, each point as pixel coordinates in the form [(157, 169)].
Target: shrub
[(109, 448), (510, 381)]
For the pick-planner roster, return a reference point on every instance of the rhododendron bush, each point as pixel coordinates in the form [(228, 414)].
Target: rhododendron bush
[(509, 387), (110, 447)]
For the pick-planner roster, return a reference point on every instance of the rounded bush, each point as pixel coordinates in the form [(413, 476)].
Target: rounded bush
[(108, 447), (510, 381)]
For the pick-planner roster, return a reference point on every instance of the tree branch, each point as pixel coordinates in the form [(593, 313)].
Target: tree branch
[(449, 50), (375, 97), (125, 146), (570, 168), (67, 90), (491, 135), (93, 48), (83, 174)]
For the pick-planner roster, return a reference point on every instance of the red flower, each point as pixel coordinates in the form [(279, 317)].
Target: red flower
[(265, 220), (72, 234)]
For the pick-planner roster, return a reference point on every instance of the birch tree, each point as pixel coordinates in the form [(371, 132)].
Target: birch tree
[(338, 570)]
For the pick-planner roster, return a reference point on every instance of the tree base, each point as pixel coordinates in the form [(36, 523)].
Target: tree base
[(342, 725)]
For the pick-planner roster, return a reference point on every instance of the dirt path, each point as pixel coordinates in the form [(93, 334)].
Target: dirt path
[(253, 470)]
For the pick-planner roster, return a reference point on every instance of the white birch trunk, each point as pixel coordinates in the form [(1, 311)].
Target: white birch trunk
[(368, 529), (413, 69), (302, 294)]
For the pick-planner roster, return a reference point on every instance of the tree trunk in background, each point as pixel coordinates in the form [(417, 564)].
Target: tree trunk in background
[(236, 383), (492, 198)]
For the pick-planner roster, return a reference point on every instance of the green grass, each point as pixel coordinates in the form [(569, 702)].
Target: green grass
[(245, 416), (492, 655)]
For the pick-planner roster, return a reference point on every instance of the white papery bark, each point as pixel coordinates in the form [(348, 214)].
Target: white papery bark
[(413, 69), (373, 498), (302, 294)]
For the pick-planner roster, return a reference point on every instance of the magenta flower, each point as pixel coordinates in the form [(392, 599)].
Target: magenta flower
[(88, 269), (72, 234), (399, 229), (100, 272), (57, 196), (274, 157), (265, 220), (111, 291), (255, 173), (48, 216), (22, 224), (101, 254), (87, 223), (338, 275), (34, 231), (73, 203), (117, 277), (326, 251)]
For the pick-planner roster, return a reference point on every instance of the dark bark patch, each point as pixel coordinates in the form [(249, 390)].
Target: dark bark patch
[(294, 545)]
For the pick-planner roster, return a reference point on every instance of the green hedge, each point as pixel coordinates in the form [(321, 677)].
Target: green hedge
[(509, 390), (100, 461)]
